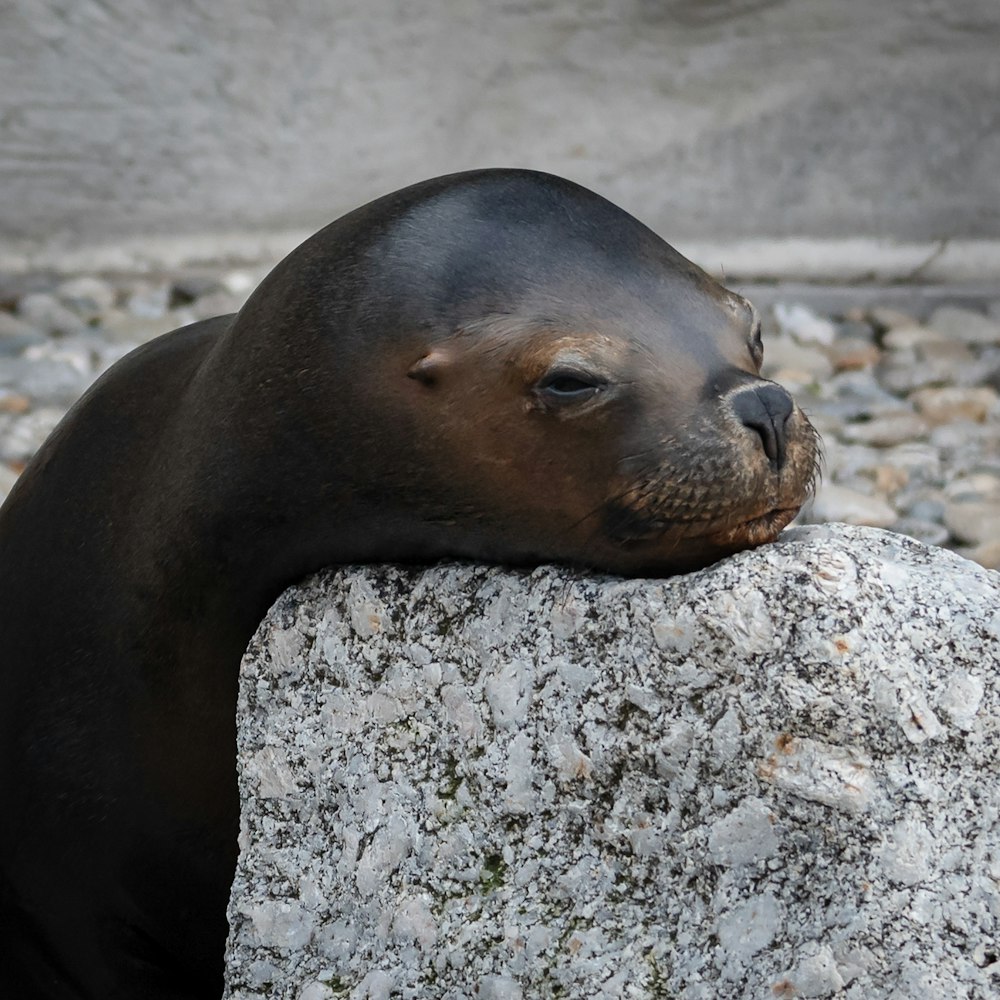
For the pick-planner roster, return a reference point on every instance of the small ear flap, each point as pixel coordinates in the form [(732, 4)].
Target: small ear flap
[(428, 369)]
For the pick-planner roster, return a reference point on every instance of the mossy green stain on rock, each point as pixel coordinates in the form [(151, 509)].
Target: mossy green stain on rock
[(494, 870)]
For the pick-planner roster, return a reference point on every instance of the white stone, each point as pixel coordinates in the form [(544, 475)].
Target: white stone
[(804, 325), (238, 282)]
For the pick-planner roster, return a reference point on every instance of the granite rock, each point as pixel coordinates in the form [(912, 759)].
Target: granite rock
[(774, 777)]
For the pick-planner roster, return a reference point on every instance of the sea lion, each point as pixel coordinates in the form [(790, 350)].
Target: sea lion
[(495, 365)]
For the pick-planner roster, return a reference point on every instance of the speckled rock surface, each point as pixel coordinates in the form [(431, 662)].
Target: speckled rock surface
[(777, 777)]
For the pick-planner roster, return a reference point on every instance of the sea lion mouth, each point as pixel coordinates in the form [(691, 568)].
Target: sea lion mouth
[(667, 511), (760, 529), (750, 531), (723, 537)]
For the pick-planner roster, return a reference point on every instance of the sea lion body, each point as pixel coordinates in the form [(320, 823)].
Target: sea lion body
[(497, 365)]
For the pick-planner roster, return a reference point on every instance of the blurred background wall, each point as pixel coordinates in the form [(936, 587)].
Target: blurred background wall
[(823, 133)]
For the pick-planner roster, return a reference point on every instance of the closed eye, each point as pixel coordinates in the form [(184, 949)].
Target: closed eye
[(564, 386)]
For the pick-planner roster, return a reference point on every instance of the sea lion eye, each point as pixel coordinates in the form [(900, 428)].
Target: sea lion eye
[(757, 345), (567, 386)]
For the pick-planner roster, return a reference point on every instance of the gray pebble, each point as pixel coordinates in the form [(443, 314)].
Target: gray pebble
[(883, 431), (21, 436), (907, 338), (947, 359), (120, 326), (928, 532), (87, 297), (860, 388), (901, 373), (191, 287), (48, 314), (57, 381), (987, 554), (149, 301), (964, 325), (891, 319), (849, 353), (240, 283), (923, 505), (856, 329), (13, 344), (979, 484), (964, 434), (217, 303), (14, 286), (849, 461), (973, 520), (80, 352), (18, 327), (834, 502), (917, 457)]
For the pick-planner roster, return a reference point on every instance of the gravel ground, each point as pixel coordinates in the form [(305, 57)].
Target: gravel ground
[(907, 403)]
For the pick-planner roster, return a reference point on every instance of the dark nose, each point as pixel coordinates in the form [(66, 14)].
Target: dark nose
[(766, 409)]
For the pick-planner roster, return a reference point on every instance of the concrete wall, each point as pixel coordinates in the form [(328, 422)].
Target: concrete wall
[(713, 120)]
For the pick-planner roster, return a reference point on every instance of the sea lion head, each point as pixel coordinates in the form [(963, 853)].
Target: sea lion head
[(544, 379)]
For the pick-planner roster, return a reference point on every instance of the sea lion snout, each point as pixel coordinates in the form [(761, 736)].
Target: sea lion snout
[(711, 472), (765, 409)]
